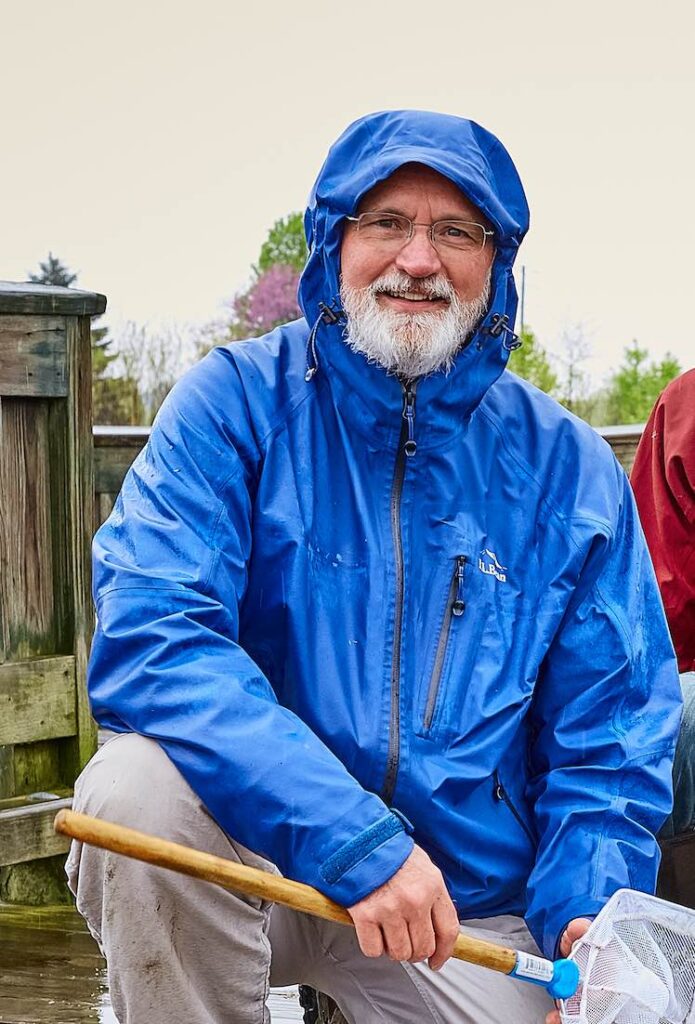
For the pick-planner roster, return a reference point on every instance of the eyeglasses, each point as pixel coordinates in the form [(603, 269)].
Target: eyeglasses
[(393, 230)]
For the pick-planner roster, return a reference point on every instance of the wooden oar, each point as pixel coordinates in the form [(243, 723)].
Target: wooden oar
[(560, 977)]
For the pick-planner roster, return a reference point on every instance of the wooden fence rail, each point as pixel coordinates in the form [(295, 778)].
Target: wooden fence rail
[(115, 448)]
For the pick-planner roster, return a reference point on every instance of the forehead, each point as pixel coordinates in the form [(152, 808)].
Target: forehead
[(414, 184)]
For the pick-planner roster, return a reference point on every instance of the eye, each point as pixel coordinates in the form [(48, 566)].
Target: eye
[(383, 225), (460, 234), (453, 230)]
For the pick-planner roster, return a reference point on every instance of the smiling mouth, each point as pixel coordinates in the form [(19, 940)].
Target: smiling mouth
[(411, 296)]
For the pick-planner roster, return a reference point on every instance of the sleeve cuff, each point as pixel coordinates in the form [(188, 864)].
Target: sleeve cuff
[(366, 862)]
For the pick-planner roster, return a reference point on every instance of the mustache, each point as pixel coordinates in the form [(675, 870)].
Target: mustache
[(395, 283)]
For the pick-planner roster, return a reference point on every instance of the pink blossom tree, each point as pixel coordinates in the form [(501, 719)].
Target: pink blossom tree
[(271, 300)]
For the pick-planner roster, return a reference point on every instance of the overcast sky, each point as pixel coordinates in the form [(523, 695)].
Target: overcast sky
[(151, 145)]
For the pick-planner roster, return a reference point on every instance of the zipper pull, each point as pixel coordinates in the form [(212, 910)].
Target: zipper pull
[(410, 446), (459, 605), (498, 791)]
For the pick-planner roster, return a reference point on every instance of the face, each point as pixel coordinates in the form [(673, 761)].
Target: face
[(411, 307), (425, 196)]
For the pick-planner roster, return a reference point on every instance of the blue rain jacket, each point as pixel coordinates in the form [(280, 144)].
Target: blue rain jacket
[(340, 644)]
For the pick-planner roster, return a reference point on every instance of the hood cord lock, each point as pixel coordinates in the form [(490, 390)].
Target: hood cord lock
[(499, 324), (327, 315)]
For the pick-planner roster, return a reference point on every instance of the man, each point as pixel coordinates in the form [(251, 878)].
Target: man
[(663, 479), (387, 611)]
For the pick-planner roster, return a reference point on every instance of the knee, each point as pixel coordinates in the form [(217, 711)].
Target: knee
[(687, 732), (131, 781), (684, 764)]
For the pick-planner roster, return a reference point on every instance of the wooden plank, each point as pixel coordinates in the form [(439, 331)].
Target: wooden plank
[(26, 833), (103, 507), (24, 298), (38, 767), (33, 356), (37, 700), (115, 436), (111, 466), (58, 793), (623, 439), (26, 544), (6, 772), (61, 583), (80, 460)]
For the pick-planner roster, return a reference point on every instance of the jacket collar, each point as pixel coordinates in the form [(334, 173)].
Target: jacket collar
[(371, 400)]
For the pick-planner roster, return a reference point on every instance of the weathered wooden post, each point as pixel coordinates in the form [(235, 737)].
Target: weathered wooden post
[(46, 616)]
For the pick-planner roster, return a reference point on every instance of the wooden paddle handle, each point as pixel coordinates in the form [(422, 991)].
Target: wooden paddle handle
[(240, 877)]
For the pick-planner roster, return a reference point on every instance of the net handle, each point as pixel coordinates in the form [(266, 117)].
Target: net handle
[(274, 888)]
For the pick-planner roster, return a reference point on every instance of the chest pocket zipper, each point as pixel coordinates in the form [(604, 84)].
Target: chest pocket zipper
[(501, 794), (455, 607)]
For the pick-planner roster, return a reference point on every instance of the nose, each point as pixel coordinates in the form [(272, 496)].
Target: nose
[(418, 257)]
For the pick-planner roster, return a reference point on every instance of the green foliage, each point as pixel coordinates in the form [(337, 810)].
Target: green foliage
[(52, 271), (285, 245), (531, 362), (635, 386)]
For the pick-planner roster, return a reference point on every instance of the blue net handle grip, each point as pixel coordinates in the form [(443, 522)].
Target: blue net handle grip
[(559, 977)]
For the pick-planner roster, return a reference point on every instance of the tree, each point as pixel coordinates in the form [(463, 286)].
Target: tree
[(284, 245), (152, 361), (575, 393), (52, 271), (271, 297), (271, 300), (531, 362), (636, 385)]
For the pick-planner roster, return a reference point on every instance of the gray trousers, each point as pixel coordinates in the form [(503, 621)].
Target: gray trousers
[(181, 951)]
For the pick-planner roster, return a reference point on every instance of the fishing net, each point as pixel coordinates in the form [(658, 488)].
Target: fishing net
[(637, 964)]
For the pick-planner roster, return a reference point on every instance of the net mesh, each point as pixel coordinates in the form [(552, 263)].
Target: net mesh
[(637, 964)]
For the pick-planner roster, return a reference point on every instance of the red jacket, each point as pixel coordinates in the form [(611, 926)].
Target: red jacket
[(663, 479)]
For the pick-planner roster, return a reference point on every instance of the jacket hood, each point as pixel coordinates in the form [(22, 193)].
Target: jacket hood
[(375, 146)]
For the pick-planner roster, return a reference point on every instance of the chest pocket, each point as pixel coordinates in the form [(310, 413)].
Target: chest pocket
[(475, 667)]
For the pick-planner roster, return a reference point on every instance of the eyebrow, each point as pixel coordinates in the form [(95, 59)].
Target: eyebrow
[(449, 216)]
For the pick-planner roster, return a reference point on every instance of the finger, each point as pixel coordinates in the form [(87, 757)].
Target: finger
[(422, 938), (446, 929), (370, 938), (553, 1017), (574, 930), (397, 940)]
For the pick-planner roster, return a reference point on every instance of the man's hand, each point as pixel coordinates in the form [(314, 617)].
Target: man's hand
[(410, 917), (574, 930)]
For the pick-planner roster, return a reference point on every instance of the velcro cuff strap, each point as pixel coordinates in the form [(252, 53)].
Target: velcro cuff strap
[(361, 846)]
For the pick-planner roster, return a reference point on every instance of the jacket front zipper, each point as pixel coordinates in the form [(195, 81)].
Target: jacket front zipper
[(407, 447), (455, 607), (501, 794)]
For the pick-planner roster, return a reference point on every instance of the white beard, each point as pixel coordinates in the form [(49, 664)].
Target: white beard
[(410, 344)]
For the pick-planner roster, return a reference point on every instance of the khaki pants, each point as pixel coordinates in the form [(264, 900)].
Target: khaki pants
[(181, 951)]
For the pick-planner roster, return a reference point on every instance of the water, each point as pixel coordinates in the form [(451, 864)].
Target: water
[(51, 972)]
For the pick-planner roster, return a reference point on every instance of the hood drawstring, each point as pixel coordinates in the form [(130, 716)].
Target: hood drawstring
[(327, 315), (499, 324)]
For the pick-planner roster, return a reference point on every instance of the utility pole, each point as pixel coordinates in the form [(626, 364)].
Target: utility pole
[(523, 297)]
